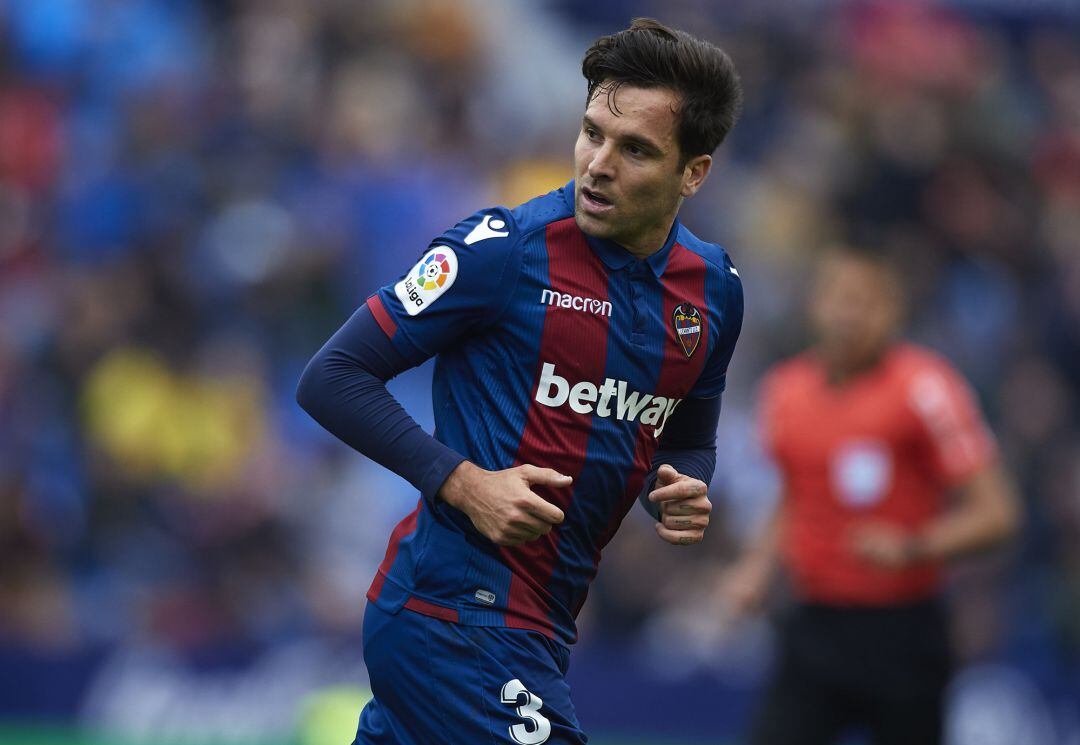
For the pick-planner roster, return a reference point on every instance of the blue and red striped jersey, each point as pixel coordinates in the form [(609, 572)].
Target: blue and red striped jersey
[(560, 350)]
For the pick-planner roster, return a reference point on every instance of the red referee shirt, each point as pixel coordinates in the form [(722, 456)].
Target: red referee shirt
[(885, 447)]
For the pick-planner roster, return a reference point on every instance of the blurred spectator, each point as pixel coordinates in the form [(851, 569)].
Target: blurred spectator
[(193, 193)]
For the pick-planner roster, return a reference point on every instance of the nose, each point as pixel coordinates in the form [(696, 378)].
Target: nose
[(602, 164)]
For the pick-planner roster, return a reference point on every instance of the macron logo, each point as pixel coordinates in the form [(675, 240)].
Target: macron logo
[(489, 227), (610, 399), (586, 304)]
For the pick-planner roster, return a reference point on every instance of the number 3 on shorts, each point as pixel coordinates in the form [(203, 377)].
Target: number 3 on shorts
[(530, 710)]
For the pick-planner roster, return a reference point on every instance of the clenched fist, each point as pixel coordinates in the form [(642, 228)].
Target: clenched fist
[(684, 506)]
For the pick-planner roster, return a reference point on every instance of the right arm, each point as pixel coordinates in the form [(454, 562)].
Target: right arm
[(344, 385), (343, 388), (746, 584)]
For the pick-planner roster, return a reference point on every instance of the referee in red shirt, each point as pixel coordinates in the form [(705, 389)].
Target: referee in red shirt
[(888, 472)]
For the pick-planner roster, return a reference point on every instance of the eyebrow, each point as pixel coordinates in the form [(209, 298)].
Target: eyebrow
[(640, 140)]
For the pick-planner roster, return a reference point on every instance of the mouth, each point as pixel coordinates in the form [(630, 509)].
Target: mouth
[(594, 201)]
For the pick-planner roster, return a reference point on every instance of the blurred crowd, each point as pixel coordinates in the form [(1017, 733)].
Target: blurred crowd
[(194, 195)]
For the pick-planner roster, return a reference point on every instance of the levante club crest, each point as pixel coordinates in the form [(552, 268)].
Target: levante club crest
[(687, 322)]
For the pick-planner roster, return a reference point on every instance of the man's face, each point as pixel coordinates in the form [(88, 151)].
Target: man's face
[(856, 310), (629, 179)]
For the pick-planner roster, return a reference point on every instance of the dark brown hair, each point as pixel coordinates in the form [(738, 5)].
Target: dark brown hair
[(651, 55)]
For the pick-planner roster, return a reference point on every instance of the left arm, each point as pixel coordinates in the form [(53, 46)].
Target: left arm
[(676, 489), (964, 454), (987, 513)]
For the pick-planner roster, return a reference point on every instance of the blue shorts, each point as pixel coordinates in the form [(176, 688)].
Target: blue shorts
[(440, 682)]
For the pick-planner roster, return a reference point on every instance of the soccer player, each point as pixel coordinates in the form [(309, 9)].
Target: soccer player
[(581, 342), (871, 436)]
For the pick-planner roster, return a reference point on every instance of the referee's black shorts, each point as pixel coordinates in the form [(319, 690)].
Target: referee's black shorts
[(880, 669)]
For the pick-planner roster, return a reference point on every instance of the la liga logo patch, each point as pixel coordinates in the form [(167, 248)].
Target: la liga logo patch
[(433, 271), (433, 275), (686, 320)]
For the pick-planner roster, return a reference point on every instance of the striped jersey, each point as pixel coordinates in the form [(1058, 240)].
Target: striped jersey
[(560, 350)]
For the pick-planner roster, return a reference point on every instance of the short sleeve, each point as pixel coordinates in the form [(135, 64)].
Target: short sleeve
[(460, 285), (713, 378), (948, 416)]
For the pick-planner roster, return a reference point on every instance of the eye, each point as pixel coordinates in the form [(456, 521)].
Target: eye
[(592, 134), (634, 150)]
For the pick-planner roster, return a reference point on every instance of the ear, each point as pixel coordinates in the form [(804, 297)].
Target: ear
[(694, 174)]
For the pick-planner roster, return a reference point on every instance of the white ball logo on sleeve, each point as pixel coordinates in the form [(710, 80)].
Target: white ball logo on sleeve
[(433, 275)]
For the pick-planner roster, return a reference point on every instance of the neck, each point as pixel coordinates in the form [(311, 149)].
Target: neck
[(839, 369), (650, 242)]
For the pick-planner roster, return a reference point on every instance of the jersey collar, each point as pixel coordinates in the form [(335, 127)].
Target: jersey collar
[(614, 256)]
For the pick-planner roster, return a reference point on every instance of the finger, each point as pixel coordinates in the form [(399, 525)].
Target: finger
[(684, 489), (680, 537), (744, 600), (543, 510), (545, 476), (516, 537), (682, 522), (865, 544), (508, 538), (526, 523), (684, 507), (697, 506), (666, 474)]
